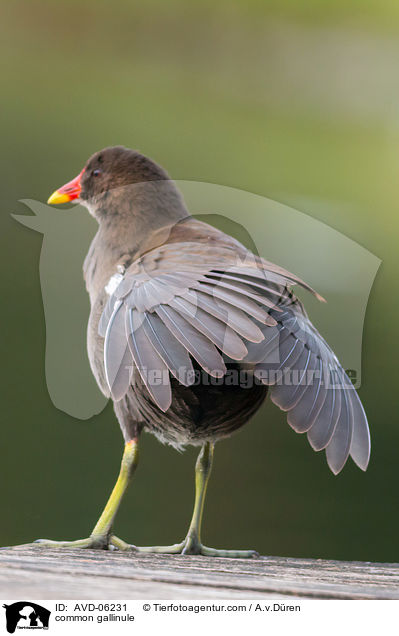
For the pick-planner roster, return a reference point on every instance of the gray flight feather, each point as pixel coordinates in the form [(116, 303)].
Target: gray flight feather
[(117, 357), (237, 299), (337, 451), (197, 300), (170, 350), (231, 316), (150, 365), (218, 332), (243, 289), (200, 347)]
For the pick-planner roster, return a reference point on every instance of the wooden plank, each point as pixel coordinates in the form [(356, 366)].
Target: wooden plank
[(36, 572)]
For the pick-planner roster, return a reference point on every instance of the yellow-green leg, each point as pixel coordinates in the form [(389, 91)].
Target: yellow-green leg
[(101, 536), (192, 543)]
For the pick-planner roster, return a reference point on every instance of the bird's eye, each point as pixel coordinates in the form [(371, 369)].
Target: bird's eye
[(96, 173)]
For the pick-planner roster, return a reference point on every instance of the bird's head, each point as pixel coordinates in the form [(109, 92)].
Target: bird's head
[(114, 181)]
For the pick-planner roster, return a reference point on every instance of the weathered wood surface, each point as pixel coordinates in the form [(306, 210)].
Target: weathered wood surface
[(36, 572)]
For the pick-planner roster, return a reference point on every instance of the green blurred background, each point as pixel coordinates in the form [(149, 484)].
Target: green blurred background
[(288, 99)]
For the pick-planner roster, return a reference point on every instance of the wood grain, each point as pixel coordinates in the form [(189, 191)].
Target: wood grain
[(35, 572)]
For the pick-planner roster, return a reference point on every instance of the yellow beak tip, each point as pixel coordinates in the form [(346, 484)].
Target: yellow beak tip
[(57, 198)]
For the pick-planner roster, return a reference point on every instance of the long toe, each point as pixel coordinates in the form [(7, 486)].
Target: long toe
[(79, 543), (119, 544), (230, 554), (90, 543), (195, 549), (176, 548)]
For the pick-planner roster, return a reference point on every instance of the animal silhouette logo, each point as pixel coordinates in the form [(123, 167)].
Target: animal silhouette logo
[(342, 266), (26, 615)]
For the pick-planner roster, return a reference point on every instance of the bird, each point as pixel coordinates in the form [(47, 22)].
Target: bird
[(181, 315)]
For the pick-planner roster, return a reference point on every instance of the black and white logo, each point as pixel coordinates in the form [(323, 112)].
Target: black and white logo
[(26, 615)]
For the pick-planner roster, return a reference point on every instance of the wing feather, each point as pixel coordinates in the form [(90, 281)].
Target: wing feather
[(217, 331), (183, 301), (202, 350), (150, 365), (118, 362), (170, 350), (232, 316)]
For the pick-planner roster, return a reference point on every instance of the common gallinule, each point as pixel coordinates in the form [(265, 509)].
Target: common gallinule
[(180, 314)]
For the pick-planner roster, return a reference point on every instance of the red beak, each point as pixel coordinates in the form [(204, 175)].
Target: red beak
[(67, 192)]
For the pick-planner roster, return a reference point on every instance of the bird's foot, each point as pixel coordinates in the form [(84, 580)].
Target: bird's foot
[(101, 542), (192, 546)]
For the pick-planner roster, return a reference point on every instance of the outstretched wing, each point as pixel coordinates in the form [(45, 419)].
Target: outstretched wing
[(178, 303), (308, 382)]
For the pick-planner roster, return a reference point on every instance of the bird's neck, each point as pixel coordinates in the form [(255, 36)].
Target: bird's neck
[(127, 232)]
